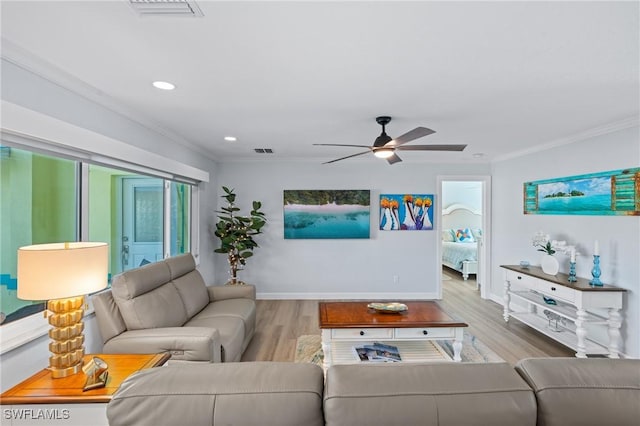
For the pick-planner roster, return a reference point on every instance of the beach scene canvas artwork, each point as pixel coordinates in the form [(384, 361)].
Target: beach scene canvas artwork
[(605, 193), (406, 212), (322, 214)]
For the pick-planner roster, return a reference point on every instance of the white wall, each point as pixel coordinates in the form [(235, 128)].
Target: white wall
[(338, 268), (619, 236), (468, 193)]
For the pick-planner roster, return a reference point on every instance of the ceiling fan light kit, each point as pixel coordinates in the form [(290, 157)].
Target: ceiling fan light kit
[(383, 152), (385, 147)]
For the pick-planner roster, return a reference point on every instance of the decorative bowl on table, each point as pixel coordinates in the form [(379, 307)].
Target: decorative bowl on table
[(388, 308)]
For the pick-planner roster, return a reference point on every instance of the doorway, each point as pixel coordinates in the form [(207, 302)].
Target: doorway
[(142, 207), (472, 197)]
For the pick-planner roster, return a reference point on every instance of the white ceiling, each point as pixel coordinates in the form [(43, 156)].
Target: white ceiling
[(502, 77)]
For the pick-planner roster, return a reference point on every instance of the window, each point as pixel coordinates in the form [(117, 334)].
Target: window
[(180, 241), (37, 205), (143, 218)]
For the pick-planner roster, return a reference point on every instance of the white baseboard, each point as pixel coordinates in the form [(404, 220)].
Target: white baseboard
[(347, 296)]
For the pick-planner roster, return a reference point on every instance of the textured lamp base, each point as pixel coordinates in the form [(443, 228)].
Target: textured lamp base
[(67, 340)]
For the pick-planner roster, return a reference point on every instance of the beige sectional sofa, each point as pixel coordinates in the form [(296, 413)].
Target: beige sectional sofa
[(166, 307), (544, 392)]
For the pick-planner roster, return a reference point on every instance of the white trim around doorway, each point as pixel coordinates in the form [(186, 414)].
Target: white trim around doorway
[(484, 254)]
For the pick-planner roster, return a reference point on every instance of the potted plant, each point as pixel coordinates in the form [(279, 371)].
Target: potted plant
[(236, 233)]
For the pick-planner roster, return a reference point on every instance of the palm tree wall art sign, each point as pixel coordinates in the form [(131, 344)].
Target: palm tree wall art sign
[(406, 212), (615, 192)]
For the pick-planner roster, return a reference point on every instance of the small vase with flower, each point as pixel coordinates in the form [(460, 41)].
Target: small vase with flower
[(548, 262)]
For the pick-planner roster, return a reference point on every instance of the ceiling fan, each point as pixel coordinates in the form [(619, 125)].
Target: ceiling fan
[(386, 147)]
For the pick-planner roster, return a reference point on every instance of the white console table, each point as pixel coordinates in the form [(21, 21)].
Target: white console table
[(575, 302)]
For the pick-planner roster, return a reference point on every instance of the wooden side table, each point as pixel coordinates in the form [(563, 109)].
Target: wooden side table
[(41, 399)]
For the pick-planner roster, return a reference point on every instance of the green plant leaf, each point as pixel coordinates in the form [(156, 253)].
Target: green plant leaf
[(235, 231)]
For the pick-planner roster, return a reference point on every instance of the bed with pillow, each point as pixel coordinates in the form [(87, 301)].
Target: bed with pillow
[(461, 230)]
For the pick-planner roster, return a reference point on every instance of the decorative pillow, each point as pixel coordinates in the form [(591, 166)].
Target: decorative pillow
[(448, 236), (464, 236), (477, 233)]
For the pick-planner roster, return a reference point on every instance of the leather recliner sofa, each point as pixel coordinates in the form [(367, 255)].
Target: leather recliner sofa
[(538, 391), (166, 307)]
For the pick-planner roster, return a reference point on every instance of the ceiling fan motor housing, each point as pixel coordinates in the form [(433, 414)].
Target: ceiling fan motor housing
[(383, 139)]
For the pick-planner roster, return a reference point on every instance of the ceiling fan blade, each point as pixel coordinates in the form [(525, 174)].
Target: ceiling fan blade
[(432, 148), (416, 133), (348, 156), (394, 159), (339, 144)]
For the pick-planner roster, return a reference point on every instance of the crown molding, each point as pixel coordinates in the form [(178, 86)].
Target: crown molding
[(615, 126), (28, 61)]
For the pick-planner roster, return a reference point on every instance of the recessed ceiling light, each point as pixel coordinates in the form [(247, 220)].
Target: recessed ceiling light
[(230, 138), (164, 85), (478, 155)]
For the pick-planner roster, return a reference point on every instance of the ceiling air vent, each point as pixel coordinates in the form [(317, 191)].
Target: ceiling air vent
[(263, 150), (166, 7)]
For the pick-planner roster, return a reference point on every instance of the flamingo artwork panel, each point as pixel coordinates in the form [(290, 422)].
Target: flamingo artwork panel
[(406, 212)]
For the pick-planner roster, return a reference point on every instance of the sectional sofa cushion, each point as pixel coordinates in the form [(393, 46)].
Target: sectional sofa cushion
[(145, 300), (442, 394), (584, 391), (256, 393), (230, 331)]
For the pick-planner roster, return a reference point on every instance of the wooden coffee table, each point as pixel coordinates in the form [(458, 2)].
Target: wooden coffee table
[(346, 324)]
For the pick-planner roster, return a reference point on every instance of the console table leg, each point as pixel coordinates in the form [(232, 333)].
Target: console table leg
[(457, 344), (615, 321), (326, 348), (581, 333), (507, 299)]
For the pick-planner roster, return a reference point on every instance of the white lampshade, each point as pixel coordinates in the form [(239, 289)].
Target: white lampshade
[(61, 270)]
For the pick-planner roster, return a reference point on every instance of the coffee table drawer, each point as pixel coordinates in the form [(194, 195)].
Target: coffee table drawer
[(424, 333), (362, 333)]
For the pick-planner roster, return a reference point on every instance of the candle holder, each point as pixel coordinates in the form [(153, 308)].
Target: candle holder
[(595, 272), (572, 272)]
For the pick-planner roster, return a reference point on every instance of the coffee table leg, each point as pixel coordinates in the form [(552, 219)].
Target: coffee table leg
[(457, 344), (326, 348)]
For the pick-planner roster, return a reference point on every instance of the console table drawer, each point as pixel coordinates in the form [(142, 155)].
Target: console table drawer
[(521, 279), (422, 333), (362, 333), (556, 291)]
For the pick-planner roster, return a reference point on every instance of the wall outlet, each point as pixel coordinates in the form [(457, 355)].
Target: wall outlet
[(396, 279)]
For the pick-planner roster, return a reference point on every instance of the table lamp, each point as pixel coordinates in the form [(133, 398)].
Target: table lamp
[(63, 273)]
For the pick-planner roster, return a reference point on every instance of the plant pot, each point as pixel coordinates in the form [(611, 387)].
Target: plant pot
[(549, 264)]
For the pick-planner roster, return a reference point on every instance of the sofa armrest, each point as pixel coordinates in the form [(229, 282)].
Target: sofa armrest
[(222, 292), (183, 343)]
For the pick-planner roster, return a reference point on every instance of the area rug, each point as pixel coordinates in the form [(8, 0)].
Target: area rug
[(309, 349)]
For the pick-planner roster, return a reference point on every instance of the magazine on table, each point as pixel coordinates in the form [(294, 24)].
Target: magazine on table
[(377, 352)]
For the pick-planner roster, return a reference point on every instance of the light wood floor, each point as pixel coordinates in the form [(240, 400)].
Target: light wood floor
[(280, 322)]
